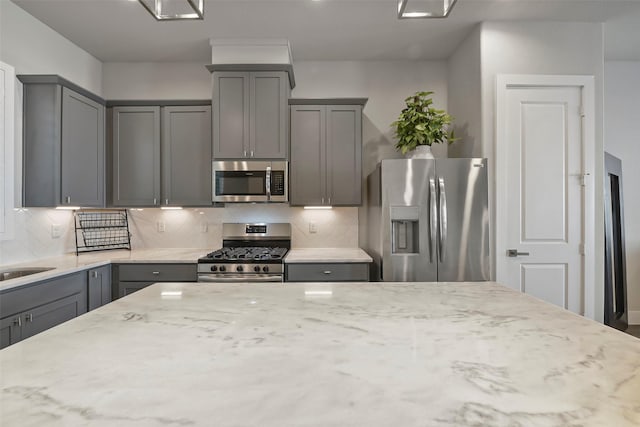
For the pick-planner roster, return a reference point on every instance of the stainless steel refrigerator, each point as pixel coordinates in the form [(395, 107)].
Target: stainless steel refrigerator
[(428, 220)]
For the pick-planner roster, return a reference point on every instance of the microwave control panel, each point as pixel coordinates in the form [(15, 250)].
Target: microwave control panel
[(277, 183)]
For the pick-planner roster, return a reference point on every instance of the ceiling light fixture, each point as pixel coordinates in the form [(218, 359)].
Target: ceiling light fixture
[(408, 9), (174, 10)]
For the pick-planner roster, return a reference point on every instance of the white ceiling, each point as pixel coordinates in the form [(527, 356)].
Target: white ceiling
[(123, 31)]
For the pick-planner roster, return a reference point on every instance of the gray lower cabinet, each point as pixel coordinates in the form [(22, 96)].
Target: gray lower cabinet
[(99, 287), (63, 145), (161, 155), (133, 277), (135, 139), (326, 155), (250, 118), (34, 308), (186, 155), (327, 272)]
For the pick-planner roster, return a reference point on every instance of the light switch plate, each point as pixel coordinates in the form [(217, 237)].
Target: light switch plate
[(313, 227), (56, 231), (160, 226), (204, 227)]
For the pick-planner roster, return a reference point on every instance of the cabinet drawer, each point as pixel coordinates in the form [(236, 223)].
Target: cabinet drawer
[(157, 272), (328, 272)]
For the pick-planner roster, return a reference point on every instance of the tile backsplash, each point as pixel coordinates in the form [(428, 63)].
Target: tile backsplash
[(186, 228)]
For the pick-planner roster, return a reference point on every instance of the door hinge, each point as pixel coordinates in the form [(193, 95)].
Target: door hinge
[(581, 249)]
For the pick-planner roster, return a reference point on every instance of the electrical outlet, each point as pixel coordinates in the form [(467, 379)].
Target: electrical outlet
[(204, 227), (160, 226), (313, 227), (56, 231)]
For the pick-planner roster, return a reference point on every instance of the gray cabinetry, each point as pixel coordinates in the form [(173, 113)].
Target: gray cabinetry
[(327, 272), (63, 146), (133, 277), (186, 155), (136, 156), (161, 154), (250, 114), (99, 287), (326, 155), (37, 307)]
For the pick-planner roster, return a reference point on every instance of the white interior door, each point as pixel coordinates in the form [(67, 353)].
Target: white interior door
[(543, 202)]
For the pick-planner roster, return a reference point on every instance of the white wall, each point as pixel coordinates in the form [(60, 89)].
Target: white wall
[(622, 139), (162, 80), (33, 48), (545, 48), (465, 96)]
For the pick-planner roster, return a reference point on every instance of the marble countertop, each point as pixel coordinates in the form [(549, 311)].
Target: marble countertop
[(365, 354), (320, 255), (67, 264)]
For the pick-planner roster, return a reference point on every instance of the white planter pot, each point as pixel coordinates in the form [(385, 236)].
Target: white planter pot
[(421, 152)]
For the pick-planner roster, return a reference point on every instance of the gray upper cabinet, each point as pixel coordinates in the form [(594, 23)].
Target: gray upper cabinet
[(326, 155), (136, 156), (250, 117), (186, 155), (63, 147)]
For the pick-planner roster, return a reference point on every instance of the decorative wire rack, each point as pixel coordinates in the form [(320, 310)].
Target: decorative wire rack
[(100, 230)]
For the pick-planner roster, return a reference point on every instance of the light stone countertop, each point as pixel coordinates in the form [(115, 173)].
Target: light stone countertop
[(67, 264), (322, 255), (350, 354)]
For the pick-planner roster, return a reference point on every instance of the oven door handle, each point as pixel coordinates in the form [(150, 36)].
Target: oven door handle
[(268, 182), (239, 278)]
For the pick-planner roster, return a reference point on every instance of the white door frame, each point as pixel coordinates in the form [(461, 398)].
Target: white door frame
[(505, 82)]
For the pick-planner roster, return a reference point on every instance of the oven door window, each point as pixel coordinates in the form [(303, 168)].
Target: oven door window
[(241, 183)]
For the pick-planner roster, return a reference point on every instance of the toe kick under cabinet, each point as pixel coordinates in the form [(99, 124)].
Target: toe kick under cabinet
[(327, 272)]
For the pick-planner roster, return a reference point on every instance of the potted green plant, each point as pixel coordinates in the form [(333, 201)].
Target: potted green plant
[(420, 125)]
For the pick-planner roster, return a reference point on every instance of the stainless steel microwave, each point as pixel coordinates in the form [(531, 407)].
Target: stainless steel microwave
[(250, 181)]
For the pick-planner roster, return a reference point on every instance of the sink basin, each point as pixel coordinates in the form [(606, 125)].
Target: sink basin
[(20, 272)]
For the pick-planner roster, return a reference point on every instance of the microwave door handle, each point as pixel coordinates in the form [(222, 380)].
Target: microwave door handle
[(268, 183)]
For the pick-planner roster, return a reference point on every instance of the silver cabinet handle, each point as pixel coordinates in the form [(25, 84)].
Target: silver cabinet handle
[(433, 219), (244, 153), (17, 321), (67, 199), (155, 273), (28, 317), (267, 181), (155, 201), (327, 272), (251, 153), (443, 217), (514, 253), (322, 202), (166, 201), (329, 203)]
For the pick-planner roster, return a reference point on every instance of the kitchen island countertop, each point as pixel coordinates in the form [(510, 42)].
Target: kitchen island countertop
[(370, 354)]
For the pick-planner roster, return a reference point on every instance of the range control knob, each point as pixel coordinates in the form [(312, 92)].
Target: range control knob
[(256, 269), (223, 268), (239, 268), (265, 269), (214, 268)]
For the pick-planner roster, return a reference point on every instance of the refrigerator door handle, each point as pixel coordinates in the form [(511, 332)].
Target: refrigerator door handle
[(443, 217), (433, 219)]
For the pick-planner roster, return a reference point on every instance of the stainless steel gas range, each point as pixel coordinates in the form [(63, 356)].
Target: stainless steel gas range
[(249, 253)]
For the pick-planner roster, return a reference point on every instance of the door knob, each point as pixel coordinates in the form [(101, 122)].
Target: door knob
[(514, 253)]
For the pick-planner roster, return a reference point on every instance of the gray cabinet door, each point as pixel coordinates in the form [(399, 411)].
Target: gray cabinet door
[(10, 330), (268, 94), (49, 315), (230, 115), (136, 156), (99, 287), (307, 183), (344, 155), (82, 168), (186, 156)]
